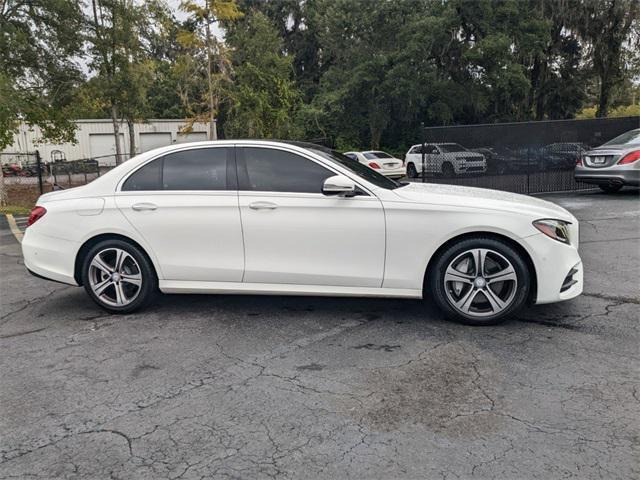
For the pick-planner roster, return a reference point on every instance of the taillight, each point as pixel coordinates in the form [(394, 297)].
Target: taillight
[(374, 165), (630, 158), (36, 214), (579, 161)]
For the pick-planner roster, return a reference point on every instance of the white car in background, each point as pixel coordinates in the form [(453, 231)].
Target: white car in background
[(447, 159), (263, 217), (382, 162)]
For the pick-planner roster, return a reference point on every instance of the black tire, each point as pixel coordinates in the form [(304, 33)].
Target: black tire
[(448, 170), (435, 283), (610, 188), (411, 171), (149, 281)]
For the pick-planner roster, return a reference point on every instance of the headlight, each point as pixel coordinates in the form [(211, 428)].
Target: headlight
[(556, 229)]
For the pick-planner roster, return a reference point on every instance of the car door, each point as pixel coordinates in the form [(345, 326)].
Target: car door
[(185, 205), (294, 234)]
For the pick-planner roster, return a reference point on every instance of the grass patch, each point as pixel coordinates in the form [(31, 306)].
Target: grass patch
[(15, 210)]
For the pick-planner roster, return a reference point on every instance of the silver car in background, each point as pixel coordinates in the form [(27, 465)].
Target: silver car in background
[(613, 164)]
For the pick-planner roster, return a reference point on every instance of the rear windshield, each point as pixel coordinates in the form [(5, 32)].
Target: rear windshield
[(374, 155), (631, 137)]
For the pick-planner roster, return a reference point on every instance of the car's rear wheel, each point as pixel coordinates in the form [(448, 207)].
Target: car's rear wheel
[(479, 281), (610, 188), (411, 171), (118, 276)]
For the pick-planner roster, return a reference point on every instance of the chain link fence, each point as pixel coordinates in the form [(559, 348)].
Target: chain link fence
[(26, 176), (523, 157)]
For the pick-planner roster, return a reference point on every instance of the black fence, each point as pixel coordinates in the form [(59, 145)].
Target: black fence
[(29, 169), (524, 157)]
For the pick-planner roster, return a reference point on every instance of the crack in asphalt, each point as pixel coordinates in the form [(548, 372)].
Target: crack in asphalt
[(26, 332)]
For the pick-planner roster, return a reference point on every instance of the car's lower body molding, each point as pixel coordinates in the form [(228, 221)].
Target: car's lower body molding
[(182, 286)]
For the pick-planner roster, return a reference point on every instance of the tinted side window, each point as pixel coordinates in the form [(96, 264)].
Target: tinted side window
[(146, 178), (270, 170), (200, 169)]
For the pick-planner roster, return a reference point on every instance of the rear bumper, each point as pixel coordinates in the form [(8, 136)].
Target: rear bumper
[(615, 175), (48, 257), (394, 173)]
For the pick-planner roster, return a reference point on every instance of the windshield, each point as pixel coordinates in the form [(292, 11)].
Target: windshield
[(632, 137), (451, 148), (356, 167), (374, 155)]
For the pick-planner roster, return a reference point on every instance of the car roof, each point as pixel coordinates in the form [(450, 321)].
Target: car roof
[(436, 143)]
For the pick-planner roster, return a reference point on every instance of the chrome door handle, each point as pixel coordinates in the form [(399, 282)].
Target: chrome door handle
[(262, 206), (138, 207)]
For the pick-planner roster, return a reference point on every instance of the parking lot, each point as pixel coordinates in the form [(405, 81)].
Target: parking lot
[(299, 387)]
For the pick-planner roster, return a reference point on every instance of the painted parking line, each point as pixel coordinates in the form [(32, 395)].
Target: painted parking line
[(14, 228)]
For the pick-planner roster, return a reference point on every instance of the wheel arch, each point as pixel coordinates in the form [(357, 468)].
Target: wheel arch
[(497, 236), (447, 162), (89, 244)]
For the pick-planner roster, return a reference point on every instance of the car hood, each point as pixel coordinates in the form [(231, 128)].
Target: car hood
[(481, 198)]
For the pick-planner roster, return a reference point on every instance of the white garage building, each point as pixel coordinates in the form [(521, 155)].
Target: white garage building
[(95, 139)]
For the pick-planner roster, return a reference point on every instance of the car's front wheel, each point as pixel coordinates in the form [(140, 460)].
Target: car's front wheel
[(479, 281), (411, 171), (118, 276)]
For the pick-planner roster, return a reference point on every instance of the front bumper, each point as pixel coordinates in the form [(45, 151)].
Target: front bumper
[(614, 175), (472, 167), (553, 261)]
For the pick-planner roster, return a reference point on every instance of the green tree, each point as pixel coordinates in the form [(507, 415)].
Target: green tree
[(606, 26), (262, 98), (122, 73), (39, 41), (198, 40)]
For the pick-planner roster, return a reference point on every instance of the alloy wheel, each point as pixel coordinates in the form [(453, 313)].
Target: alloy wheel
[(115, 277), (480, 283)]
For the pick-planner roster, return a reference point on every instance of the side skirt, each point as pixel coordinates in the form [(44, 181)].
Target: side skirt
[(180, 286)]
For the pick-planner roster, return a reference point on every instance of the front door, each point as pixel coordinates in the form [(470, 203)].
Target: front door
[(294, 234), (185, 206)]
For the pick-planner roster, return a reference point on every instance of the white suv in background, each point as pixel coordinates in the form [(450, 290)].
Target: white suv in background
[(381, 162), (448, 159)]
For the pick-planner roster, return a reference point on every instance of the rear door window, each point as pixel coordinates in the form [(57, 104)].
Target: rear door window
[(195, 169)]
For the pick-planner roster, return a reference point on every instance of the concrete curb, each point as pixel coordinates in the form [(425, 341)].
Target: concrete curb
[(14, 228)]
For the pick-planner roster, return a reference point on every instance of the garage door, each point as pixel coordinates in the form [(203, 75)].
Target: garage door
[(149, 141), (102, 147), (192, 137)]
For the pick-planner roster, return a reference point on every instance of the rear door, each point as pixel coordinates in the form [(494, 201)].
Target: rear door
[(185, 205)]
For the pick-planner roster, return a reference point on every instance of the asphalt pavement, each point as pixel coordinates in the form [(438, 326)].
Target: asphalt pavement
[(300, 387)]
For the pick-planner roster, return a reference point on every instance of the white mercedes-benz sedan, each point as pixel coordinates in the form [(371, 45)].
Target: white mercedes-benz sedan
[(261, 217)]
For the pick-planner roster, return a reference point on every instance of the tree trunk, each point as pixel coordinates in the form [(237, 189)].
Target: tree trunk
[(213, 132), (3, 191), (132, 139), (376, 135), (605, 91), (116, 133)]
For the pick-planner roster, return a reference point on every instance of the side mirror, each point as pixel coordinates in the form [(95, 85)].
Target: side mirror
[(339, 185)]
